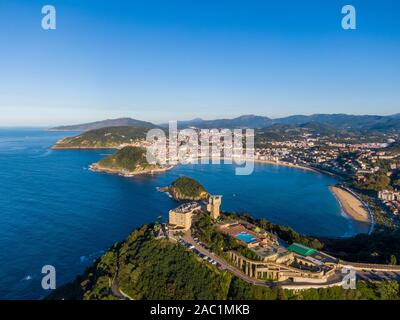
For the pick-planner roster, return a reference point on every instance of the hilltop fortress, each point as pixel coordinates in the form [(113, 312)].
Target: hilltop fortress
[(181, 217), (274, 261), (256, 255)]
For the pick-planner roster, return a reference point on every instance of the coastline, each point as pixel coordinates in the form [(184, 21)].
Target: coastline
[(55, 147), (353, 207), (281, 163), (97, 168), (287, 164)]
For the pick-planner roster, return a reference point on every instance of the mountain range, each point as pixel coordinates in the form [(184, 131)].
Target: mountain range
[(338, 121), (105, 124)]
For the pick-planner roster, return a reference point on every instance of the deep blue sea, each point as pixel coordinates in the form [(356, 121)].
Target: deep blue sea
[(53, 210)]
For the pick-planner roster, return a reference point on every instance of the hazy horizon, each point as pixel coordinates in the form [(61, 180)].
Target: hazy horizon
[(167, 120)]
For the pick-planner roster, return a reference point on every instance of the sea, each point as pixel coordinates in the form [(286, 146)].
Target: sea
[(55, 211)]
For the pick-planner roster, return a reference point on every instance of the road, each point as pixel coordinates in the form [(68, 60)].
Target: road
[(336, 280), (115, 289), (368, 275), (224, 265)]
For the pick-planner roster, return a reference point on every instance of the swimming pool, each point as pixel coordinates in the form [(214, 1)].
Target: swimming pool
[(245, 237)]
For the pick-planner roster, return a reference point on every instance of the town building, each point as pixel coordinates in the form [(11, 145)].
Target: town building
[(214, 202), (387, 195), (181, 217)]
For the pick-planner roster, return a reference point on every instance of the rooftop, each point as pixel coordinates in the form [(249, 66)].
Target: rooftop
[(187, 207), (301, 249)]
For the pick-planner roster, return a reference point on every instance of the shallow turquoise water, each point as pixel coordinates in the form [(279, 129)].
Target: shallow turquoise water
[(53, 210)]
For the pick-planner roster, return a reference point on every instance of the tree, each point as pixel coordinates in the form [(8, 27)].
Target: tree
[(393, 259), (388, 290), (281, 294)]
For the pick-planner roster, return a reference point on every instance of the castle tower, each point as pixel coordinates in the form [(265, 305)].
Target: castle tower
[(213, 205)]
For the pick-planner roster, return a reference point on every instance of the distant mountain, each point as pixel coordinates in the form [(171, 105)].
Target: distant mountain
[(245, 121), (336, 121), (105, 124), (110, 137), (281, 132), (391, 124), (342, 121)]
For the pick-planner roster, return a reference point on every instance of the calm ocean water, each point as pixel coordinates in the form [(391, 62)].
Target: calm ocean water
[(53, 210)]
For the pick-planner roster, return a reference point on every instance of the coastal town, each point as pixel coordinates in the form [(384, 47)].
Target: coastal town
[(200, 158), (367, 168), (261, 254), (370, 168)]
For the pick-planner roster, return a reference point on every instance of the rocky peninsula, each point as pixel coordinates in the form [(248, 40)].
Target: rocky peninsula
[(127, 162), (185, 188)]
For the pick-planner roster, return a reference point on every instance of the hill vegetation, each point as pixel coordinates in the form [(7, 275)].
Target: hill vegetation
[(339, 121), (283, 132), (144, 267), (379, 247), (149, 268), (105, 124), (128, 160), (340, 127), (110, 137), (185, 188)]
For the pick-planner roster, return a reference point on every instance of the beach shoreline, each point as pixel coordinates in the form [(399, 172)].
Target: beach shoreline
[(353, 207), (287, 164)]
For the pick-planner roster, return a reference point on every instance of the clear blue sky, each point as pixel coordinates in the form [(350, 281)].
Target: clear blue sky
[(180, 59)]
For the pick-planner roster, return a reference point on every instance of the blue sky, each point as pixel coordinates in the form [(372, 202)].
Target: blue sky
[(180, 59)]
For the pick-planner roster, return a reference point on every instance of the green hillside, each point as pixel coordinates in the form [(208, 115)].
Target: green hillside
[(120, 122), (129, 159), (110, 137), (149, 269), (185, 188), (143, 267)]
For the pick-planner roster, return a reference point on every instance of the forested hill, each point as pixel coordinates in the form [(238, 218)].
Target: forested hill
[(127, 160), (111, 137), (185, 188), (390, 123), (151, 268), (104, 124)]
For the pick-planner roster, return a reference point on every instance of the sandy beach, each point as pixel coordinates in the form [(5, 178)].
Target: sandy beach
[(352, 206), (285, 164)]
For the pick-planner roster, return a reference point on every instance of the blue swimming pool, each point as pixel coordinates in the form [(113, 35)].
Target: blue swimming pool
[(245, 237)]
